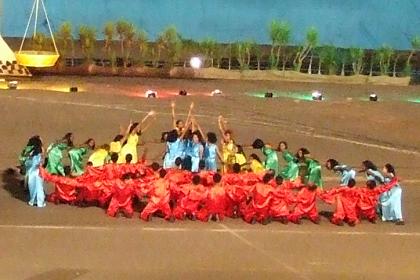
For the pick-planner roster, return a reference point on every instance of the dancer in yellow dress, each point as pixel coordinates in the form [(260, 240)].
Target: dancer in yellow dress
[(100, 156), (229, 148), (116, 145), (130, 147)]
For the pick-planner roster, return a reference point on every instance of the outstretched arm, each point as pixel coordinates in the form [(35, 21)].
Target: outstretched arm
[(150, 114), (222, 127), (184, 131), (189, 113), (126, 132), (173, 115), (198, 127)]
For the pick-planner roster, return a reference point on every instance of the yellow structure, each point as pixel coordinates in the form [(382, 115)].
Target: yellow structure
[(37, 58), (32, 58)]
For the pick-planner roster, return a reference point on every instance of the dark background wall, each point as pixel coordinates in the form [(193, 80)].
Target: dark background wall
[(345, 23)]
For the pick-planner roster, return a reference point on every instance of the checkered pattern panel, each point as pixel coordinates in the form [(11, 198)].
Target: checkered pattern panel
[(11, 68)]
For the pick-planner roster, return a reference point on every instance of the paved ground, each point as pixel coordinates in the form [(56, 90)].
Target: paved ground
[(63, 242)]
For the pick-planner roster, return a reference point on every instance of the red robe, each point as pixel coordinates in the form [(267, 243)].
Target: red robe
[(177, 179), (65, 188), (259, 206), (345, 199), (122, 197), (189, 204), (206, 178), (368, 199), (159, 198), (237, 191), (305, 205), (214, 204), (282, 198)]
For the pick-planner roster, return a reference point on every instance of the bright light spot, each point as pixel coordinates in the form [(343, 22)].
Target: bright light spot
[(316, 95), (12, 84), (195, 62), (216, 92), (373, 97), (151, 94)]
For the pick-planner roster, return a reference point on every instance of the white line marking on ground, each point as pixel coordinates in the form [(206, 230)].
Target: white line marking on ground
[(265, 253), (307, 133), (224, 229)]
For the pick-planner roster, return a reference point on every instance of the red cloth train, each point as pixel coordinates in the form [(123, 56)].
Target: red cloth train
[(178, 194)]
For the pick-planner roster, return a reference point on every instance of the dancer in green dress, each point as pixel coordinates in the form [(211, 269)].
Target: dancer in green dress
[(55, 154), (271, 159), (291, 170), (314, 177), (77, 155), (302, 163)]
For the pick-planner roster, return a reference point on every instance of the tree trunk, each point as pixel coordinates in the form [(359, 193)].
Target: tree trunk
[(283, 68), (371, 69), (310, 65), (319, 67), (258, 63), (298, 66), (409, 57), (342, 68), (157, 58), (278, 57), (272, 57), (230, 63), (122, 51), (394, 68)]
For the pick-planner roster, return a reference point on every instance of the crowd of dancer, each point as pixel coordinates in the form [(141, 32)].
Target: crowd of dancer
[(197, 180)]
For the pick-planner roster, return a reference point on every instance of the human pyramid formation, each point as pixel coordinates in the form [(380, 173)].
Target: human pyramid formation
[(189, 184)]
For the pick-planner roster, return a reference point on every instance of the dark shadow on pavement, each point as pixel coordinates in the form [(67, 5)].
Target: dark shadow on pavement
[(13, 183)]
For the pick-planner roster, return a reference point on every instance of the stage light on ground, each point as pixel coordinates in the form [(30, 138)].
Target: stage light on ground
[(216, 92), (195, 62), (183, 92), (12, 84), (268, 95), (73, 89), (317, 96), (150, 94), (373, 97)]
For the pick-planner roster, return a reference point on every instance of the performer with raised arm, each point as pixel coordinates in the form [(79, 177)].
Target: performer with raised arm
[(178, 124), (229, 148), (119, 140), (130, 147)]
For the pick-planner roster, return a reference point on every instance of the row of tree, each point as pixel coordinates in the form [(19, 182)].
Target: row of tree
[(124, 40)]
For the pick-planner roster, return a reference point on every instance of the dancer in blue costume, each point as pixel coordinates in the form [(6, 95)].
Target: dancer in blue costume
[(211, 151), (174, 149), (372, 172), (35, 182), (346, 173), (391, 200), (178, 124), (196, 151)]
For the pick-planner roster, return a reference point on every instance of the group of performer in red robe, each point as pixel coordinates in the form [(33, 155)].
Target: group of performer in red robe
[(206, 195)]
